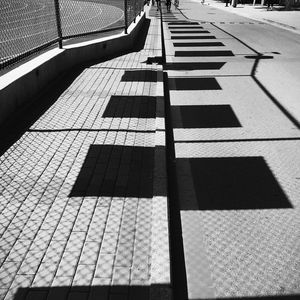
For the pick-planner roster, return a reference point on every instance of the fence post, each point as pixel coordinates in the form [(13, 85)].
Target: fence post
[(58, 23), (126, 15)]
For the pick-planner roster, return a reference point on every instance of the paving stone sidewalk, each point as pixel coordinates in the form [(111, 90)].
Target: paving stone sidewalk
[(80, 217), (235, 164)]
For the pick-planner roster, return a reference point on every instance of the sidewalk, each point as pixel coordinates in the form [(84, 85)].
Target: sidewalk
[(83, 186), (289, 20), (84, 207), (235, 156)]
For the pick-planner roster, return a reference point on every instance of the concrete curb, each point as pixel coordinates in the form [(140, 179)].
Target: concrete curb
[(24, 82), (160, 244)]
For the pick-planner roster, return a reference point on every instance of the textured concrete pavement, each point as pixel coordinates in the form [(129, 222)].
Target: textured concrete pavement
[(83, 193), (236, 161), (84, 206)]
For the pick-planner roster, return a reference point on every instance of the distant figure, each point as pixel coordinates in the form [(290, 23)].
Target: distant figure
[(227, 2), (158, 4), (153, 2), (168, 3), (176, 3), (270, 4)]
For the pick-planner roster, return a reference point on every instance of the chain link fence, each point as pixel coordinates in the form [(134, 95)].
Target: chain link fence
[(28, 26)]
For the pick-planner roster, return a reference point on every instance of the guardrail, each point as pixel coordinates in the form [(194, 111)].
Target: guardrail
[(29, 26)]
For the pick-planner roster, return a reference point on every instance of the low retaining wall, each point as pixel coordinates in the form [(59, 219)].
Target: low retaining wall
[(23, 83)]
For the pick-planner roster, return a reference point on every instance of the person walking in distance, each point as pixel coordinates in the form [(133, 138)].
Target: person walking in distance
[(176, 3), (270, 4), (158, 4), (168, 3)]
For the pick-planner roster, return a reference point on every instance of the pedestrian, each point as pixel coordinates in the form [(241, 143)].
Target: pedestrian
[(227, 1), (270, 4), (168, 3), (176, 3), (158, 4)]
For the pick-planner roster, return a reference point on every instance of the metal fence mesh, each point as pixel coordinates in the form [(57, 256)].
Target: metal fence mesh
[(82, 16), (24, 26), (27, 26)]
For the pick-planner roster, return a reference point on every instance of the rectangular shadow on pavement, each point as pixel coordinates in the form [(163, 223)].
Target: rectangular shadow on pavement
[(184, 83), (116, 171), (204, 116), (104, 292), (193, 37), (203, 53), (130, 107), (140, 75), (195, 66), (229, 183), (183, 23), (185, 27), (111, 292), (188, 31), (199, 44)]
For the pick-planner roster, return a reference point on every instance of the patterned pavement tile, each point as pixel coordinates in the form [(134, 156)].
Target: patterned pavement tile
[(249, 252), (50, 238), (233, 252)]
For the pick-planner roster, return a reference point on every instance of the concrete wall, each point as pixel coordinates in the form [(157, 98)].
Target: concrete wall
[(23, 83)]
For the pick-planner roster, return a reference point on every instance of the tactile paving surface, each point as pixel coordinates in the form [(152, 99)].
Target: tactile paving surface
[(258, 116), (250, 252), (100, 244)]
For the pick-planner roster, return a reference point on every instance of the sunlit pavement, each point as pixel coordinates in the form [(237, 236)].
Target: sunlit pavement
[(83, 192), (84, 207), (235, 138)]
